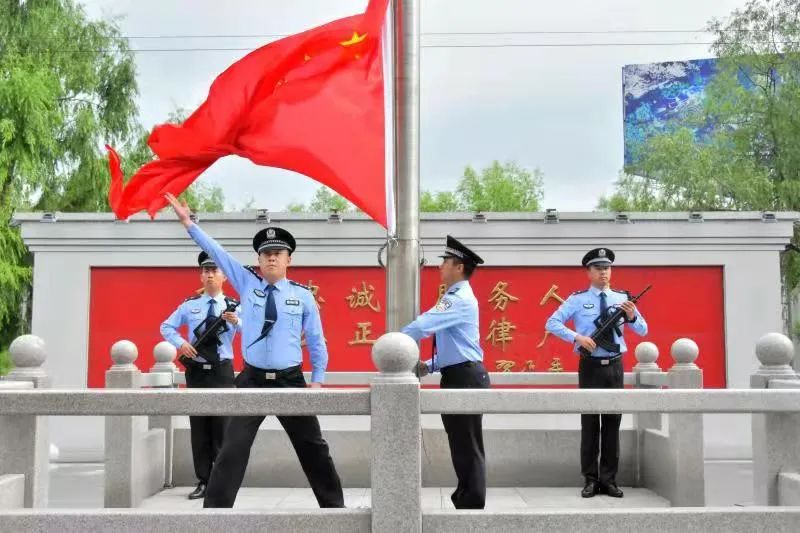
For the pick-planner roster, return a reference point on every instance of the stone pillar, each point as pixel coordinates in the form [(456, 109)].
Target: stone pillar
[(775, 435), (24, 440), (396, 436), (646, 355), (686, 429), (122, 431), (164, 354)]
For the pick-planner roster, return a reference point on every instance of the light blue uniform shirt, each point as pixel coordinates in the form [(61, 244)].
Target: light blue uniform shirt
[(192, 313), (454, 321), (297, 313), (583, 308)]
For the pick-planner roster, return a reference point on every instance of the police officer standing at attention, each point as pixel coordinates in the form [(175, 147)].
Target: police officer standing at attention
[(600, 370), (457, 354), (199, 312), (275, 311)]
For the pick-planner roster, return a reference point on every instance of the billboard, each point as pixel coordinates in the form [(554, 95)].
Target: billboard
[(655, 94)]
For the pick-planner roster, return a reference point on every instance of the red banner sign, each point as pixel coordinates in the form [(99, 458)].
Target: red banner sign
[(515, 302)]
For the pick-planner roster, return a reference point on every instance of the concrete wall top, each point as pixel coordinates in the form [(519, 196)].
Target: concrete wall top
[(502, 232)]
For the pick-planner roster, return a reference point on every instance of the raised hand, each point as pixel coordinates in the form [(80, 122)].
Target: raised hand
[(181, 209)]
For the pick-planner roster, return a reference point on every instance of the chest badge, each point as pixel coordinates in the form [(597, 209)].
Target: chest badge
[(292, 301), (588, 306), (258, 293), (195, 311)]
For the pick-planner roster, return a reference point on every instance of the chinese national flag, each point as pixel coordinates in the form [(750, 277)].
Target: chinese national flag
[(312, 103)]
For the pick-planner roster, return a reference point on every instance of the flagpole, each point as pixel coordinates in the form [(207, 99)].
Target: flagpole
[(403, 255)]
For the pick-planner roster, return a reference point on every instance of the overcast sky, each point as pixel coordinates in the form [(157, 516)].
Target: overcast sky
[(556, 108)]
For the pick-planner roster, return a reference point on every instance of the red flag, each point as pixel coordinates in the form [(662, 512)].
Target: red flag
[(312, 103)]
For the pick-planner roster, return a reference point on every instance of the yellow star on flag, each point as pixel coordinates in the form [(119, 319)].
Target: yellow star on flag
[(355, 39)]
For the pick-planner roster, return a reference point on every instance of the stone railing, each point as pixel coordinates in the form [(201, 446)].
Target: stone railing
[(395, 402), (776, 436), (516, 456), (24, 440)]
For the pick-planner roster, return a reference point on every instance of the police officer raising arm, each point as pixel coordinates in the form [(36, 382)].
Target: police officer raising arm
[(198, 312), (600, 370), (275, 311), (457, 354)]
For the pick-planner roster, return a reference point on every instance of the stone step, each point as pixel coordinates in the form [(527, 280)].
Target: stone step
[(497, 498)]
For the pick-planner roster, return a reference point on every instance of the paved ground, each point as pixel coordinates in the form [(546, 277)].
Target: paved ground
[(81, 486), (432, 498)]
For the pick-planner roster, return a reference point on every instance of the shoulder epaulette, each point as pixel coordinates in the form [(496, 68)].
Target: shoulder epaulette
[(626, 293), (579, 292), (453, 291), (195, 297), (253, 271), (306, 287)]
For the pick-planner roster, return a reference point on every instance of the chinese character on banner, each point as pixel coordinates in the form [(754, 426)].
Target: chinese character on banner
[(504, 366), (363, 298), (500, 332), (555, 365), (500, 297), (551, 294), (315, 292), (529, 366), (362, 334)]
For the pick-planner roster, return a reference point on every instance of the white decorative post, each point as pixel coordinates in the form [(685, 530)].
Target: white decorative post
[(686, 429), (396, 437), (776, 436), (24, 440), (122, 431), (646, 354), (164, 354)]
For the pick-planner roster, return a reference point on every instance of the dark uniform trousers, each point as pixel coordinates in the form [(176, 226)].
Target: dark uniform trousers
[(465, 436), (600, 433), (304, 432), (207, 431)]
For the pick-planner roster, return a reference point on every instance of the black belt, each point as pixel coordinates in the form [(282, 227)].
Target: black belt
[(602, 360), (273, 373), (188, 362), (465, 364)]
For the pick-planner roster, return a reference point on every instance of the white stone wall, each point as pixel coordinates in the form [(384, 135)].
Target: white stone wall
[(746, 247)]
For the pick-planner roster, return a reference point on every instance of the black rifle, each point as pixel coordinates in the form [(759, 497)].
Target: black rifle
[(207, 341), (603, 336)]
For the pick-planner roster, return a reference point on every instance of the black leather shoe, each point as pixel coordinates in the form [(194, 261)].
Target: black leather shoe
[(199, 492), (590, 489), (613, 491)]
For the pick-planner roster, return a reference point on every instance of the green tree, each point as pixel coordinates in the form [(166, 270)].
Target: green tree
[(439, 202), (752, 158), (57, 108), (204, 198), (751, 161), (325, 201), (501, 187)]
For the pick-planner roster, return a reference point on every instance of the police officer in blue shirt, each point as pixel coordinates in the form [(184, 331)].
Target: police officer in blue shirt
[(457, 354), (275, 311), (601, 370), (199, 312)]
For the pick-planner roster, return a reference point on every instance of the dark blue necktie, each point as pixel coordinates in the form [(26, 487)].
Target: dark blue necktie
[(270, 314), (603, 306), (211, 316), (271, 311)]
